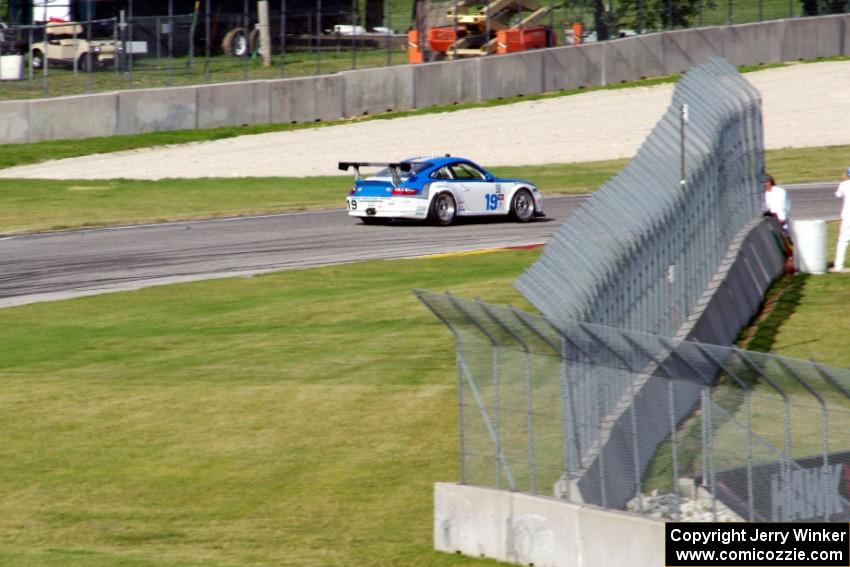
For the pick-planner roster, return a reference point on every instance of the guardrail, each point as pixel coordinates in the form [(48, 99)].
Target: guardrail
[(370, 91)]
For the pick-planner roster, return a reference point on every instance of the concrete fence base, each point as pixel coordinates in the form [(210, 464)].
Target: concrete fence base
[(370, 91), (545, 532)]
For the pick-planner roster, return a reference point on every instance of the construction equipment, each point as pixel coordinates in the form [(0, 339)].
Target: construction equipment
[(501, 26)]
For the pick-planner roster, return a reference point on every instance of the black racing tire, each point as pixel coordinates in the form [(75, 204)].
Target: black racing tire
[(83, 65), (374, 220), (37, 59), (443, 209), (254, 41), (522, 206), (236, 43)]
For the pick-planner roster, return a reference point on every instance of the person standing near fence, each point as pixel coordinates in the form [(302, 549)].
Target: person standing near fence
[(843, 192), (776, 201)]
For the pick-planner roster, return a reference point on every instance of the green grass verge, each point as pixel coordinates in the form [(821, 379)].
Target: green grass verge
[(36, 205), (33, 205), (299, 418)]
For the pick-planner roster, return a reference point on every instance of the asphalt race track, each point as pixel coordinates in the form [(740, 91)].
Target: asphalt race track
[(49, 266)]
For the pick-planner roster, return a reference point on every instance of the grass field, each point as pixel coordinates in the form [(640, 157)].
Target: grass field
[(299, 418), (34, 205)]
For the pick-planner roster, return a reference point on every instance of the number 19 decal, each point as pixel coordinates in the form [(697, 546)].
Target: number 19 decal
[(492, 201)]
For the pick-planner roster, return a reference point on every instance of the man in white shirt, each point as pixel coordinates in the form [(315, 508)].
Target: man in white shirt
[(776, 201), (843, 192)]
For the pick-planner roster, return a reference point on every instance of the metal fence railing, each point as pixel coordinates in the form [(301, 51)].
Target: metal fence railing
[(627, 420), (642, 249), (174, 49), (218, 41)]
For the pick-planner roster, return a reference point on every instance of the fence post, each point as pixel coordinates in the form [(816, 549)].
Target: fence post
[(44, 64), (460, 409), (207, 41), (116, 38), (282, 38), (89, 66), (29, 54), (710, 437), (673, 436), (75, 63), (171, 42), (245, 24), (318, 37), (354, 34), (129, 45)]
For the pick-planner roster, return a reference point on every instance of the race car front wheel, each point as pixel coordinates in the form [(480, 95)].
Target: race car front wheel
[(443, 209), (522, 206)]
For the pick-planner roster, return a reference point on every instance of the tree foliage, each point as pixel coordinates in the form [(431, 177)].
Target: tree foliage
[(819, 7), (648, 15)]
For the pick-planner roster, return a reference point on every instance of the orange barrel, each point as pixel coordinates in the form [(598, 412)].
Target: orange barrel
[(414, 47), (577, 29)]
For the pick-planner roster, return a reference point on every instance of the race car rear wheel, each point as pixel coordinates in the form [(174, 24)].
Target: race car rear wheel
[(443, 209), (522, 206)]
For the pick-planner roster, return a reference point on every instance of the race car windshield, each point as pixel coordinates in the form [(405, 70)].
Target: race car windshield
[(415, 168)]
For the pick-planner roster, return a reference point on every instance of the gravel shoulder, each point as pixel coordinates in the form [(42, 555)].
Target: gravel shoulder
[(805, 105)]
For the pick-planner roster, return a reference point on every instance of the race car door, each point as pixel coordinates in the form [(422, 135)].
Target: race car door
[(479, 195)]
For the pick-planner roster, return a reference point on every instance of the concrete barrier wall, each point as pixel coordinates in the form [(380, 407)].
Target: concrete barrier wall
[(73, 117), (370, 91), (511, 75), (306, 100), (157, 110), (684, 49), (520, 528), (573, 67), (15, 122), (233, 104), (752, 44), (633, 58), (809, 38), (446, 83)]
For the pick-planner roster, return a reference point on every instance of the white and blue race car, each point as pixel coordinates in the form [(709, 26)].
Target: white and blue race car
[(438, 189)]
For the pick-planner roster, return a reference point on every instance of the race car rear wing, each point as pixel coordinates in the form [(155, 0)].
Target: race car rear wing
[(395, 168)]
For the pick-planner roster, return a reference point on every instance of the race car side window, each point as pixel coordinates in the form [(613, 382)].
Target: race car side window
[(465, 171), (442, 173)]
